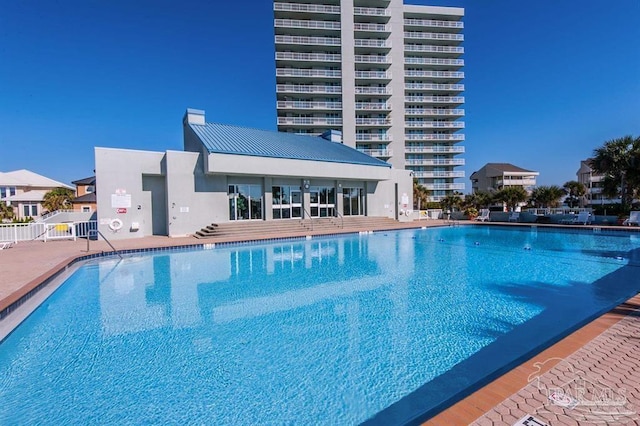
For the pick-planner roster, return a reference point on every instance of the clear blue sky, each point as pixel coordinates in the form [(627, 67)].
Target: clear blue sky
[(547, 81)]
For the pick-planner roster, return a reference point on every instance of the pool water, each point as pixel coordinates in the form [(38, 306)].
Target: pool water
[(386, 328)]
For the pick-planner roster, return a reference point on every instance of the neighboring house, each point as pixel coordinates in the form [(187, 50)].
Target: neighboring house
[(85, 200), (593, 182), (496, 176), (228, 174), (24, 191)]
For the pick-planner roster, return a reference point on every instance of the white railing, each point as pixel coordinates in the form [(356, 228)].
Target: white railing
[(293, 72), (39, 231), (366, 90), (308, 105), (433, 61), (434, 74), (371, 27), (373, 122), (435, 124), (372, 59), (435, 99), (558, 210), (450, 186), (371, 43), (301, 88), (310, 121), (54, 213), (428, 86), (377, 152), (433, 137), (372, 137), (370, 11), (436, 162), (297, 56), (367, 106), (296, 23), (318, 41), (434, 111), (519, 182), (438, 174), (433, 36), (433, 23), (383, 75), (435, 149), (316, 8), (432, 49)]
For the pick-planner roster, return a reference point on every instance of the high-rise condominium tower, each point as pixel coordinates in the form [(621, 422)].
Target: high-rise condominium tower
[(386, 74)]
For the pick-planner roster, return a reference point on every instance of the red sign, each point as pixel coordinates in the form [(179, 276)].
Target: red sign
[(121, 210)]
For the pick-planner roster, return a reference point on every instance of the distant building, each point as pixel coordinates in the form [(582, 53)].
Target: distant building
[(85, 200), (593, 182), (496, 176), (24, 191), (387, 75)]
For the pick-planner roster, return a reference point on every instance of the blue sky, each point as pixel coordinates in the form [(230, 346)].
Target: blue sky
[(547, 81)]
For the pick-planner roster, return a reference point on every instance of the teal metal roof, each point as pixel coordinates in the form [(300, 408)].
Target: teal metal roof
[(224, 139)]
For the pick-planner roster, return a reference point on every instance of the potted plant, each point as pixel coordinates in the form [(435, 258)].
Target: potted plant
[(471, 213)]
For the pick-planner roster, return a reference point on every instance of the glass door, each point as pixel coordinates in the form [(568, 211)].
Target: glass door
[(296, 204)]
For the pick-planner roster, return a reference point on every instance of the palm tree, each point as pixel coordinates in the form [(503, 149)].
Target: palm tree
[(420, 195), (618, 160), (547, 196), (575, 191), (452, 202), (58, 199), (511, 196), (6, 211), (479, 200)]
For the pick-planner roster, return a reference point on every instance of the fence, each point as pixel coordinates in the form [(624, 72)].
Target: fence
[(46, 231)]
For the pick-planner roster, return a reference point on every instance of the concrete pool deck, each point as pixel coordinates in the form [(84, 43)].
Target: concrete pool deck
[(597, 367)]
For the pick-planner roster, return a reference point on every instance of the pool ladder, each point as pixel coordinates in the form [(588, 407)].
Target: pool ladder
[(96, 232)]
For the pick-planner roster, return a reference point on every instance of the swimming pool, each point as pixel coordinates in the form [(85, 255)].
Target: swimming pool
[(385, 328)]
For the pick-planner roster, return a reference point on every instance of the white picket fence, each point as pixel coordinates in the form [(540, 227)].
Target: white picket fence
[(38, 231)]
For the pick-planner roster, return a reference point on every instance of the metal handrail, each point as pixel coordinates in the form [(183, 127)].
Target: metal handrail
[(97, 232), (340, 216), (308, 215)]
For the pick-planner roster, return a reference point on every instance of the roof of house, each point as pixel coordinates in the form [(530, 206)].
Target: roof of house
[(86, 198), (28, 178), (497, 169), (86, 181), (27, 196), (224, 139)]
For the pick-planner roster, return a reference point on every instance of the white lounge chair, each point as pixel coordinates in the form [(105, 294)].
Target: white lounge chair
[(583, 218), (5, 244), (514, 216), (634, 219), (484, 215)]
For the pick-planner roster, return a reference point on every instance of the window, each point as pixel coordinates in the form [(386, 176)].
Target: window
[(30, 210), (90, 188), (86, 209)]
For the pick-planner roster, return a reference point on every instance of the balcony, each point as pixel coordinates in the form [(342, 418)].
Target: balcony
[(412, 60), (370, 11), (434, 149), (372, 59), (374, 75), (433, 175), (435, 124), (417, 35), (301, 88), (436, 162), (433, 23), (433, 49), (434, 137), (457, 112), (366, 90), (372, 137), (373, 106), (307, 8), (310, 73), (307, 57), (434, 87), (516, 182), (435, 99), (359, 42), (374, 28), (444, 186), (307, 24), (304, 40), (309, 121), (309, 105), (377, 153), (373, 122), (434, 74)]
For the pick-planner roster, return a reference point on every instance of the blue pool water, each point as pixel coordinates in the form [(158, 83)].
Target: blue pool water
[(380, 328)]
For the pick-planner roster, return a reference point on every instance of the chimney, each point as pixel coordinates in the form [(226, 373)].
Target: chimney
[(194, 116)]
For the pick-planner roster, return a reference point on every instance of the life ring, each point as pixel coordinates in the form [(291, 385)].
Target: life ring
[(115, 225)]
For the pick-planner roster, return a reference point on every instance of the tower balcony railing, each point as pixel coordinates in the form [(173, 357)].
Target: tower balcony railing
[(301, 56), (434, 137), (435, 99), (370, 11), (445, 186), (372, 137), (457, 112), (372, 59), (373, 122), (413, 60), (375, 75), (366, 90), (373, 106), (433, 36), (309, 24), (433, 49), (433, 23), (429, 86), (309, 8), (293, 72), (433, 74), (309, 105), (527, 181), (436, 162), (420, 174), (301, 88), (360, 42), (434, 149), (378, 28), (378, 153), (309, 121), (304, 40), (435, 124)]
